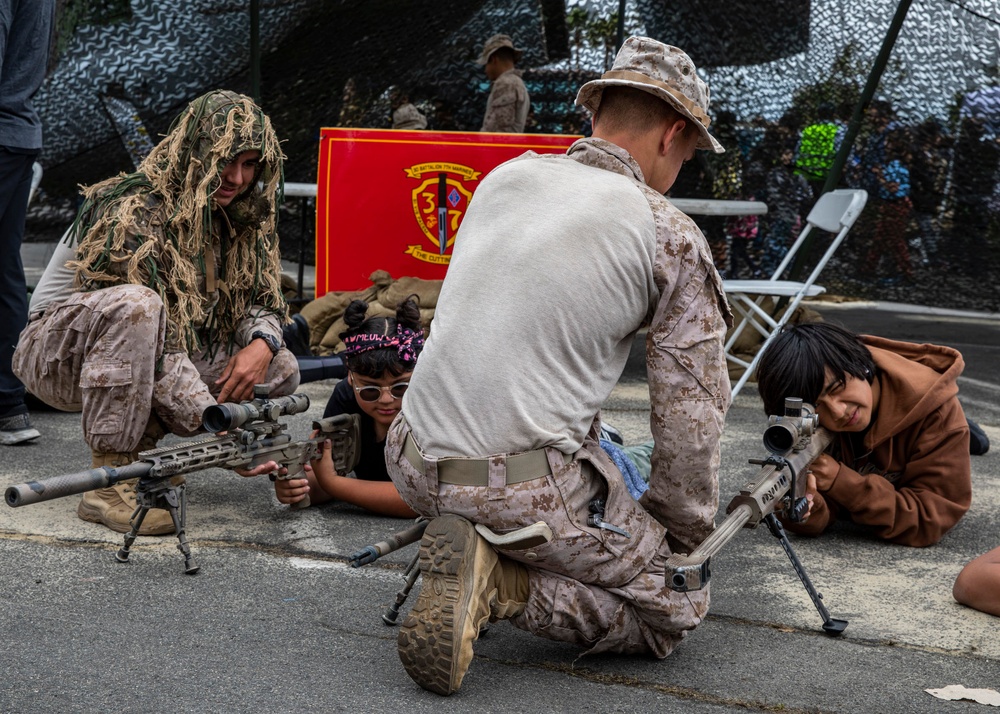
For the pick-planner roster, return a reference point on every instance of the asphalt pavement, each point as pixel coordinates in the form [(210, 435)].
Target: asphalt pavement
[(276, 620)]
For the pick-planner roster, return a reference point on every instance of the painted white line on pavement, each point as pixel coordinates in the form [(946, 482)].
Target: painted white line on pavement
[(979, 383)]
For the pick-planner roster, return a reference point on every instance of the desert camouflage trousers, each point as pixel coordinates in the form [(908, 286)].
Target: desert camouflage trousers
[(98, 353), (590, 586)]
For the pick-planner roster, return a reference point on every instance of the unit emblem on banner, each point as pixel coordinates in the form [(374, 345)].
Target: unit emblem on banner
[(439, 202)]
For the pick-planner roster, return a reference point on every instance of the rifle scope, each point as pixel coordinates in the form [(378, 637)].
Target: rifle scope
[(229, 415), (796, 425)]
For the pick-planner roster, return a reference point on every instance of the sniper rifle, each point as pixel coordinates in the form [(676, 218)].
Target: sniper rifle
[(794, 440), (245, 435)]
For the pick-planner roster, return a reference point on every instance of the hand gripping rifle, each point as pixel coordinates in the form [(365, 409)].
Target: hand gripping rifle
[(794, 441), (253, 436)]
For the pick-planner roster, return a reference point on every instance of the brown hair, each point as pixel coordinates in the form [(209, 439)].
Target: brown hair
[(633, 111)]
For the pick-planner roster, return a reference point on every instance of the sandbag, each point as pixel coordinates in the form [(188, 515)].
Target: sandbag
[(427, 292), (325, 315), (322, 312)]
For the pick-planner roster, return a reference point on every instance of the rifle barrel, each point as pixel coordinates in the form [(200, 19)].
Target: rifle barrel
[(725, 531), (394, 542), (23, 494)]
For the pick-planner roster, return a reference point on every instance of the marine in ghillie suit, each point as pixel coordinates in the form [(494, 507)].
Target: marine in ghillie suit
[(165, 296)]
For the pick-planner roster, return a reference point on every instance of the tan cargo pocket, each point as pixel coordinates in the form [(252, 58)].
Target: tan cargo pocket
[(105, 388)]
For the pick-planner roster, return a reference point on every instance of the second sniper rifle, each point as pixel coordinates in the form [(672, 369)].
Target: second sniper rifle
[(794, 441), (253, 436)]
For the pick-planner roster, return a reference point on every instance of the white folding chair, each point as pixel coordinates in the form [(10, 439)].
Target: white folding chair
[(834, 212)]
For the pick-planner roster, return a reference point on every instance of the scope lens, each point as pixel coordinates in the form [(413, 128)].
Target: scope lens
[(223, 417), (778, 439)]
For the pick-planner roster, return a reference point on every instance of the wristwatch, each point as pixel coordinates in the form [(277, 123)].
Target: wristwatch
[(272, 342)]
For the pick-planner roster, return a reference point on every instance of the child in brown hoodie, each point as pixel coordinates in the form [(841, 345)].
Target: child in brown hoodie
[(899, 461)]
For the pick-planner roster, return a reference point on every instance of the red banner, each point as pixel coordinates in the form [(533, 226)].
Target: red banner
[(393, 200)]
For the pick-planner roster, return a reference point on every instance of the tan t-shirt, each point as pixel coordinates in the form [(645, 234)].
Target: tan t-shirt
[(558, 262)]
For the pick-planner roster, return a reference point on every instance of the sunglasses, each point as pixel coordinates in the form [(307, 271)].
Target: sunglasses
[(371, 393)]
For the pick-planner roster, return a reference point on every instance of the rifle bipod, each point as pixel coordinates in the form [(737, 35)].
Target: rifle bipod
[(371, 553), (159, 494), (831, 626), (411, 574)]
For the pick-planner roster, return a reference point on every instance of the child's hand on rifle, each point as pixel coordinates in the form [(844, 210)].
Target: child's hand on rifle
[(825, 469), (810, 493), (322, 465), (292, 490), (820, 477), (269, 467)]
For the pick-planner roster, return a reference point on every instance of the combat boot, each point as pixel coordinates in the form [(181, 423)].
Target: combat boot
[(508, 594), (115, 505), (465, 584)]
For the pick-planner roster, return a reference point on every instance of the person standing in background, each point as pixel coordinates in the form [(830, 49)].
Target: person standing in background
[(928, 176), (25, 34), (787, 195), (894, 212), (404, 114), (507, 106)]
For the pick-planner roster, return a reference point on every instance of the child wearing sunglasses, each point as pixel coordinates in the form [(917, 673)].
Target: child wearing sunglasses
[(380, 353)]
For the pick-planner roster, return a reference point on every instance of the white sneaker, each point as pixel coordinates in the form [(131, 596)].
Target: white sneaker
[(17, 429)]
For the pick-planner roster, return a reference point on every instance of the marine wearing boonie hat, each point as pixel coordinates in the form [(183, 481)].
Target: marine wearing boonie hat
[(663, 71), (495, 43)]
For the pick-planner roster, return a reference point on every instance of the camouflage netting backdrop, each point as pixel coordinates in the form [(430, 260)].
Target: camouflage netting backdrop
[(786, 79)]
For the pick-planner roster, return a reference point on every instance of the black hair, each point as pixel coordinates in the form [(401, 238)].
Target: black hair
[(776, 141), (376, 363), (795, 363)]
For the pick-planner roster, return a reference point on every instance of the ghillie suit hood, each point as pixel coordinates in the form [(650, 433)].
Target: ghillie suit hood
[(154, 227)]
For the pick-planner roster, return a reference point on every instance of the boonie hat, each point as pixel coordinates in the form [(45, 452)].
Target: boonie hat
[(663, 71), (495, 43)]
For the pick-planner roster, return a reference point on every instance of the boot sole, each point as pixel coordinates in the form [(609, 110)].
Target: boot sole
[(94, 515), (20, 436), (430, 638)]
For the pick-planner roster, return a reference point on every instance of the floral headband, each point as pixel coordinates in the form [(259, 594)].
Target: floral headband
[(406, 341)]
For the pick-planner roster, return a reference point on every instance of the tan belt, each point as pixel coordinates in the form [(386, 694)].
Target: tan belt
[(525, 466)]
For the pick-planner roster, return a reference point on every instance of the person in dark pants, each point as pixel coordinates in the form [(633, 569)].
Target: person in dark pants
[(976, 163), (25, 32)]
